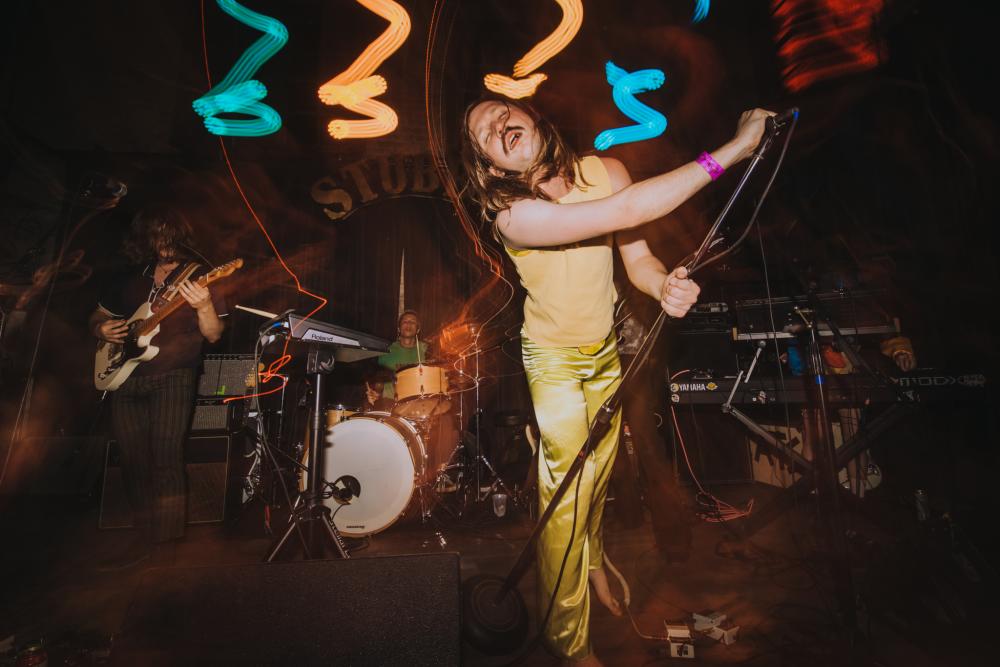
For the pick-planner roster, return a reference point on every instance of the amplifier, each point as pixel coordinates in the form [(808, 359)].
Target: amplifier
[(211, 414), (226, 374), (206, 464)]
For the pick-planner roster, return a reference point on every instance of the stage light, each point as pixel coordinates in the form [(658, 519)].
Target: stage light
[(625, 86), (819, 40), (238, 93), (524, 83), (701, 10), (354, 87)]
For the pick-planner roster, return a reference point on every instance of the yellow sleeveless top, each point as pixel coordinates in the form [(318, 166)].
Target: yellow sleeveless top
[(571, 291)]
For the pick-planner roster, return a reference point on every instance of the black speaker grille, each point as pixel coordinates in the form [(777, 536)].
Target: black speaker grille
[(392, 610)]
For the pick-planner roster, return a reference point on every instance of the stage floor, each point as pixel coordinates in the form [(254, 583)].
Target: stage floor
[(917, 608)]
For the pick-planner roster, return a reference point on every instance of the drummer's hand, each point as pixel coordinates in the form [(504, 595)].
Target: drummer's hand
[(370, 394)]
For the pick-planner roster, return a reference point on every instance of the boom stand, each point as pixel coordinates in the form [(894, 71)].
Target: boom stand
[(311, 520)]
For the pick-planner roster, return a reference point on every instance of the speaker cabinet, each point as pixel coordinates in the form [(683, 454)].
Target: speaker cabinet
[(206, 463), (214, 415), (390, 610)]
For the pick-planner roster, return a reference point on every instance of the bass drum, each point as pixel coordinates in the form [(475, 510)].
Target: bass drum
[(387, 457)]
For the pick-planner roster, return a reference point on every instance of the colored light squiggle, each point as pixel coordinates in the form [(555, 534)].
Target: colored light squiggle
[(354, 87), (701, 8), (625, 86), (524, 83), (820, 40), (239, 93)]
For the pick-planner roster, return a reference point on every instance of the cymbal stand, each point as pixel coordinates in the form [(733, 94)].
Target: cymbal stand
[(480, 459)]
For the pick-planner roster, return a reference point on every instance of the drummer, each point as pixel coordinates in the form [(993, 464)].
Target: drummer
[(407, 350)]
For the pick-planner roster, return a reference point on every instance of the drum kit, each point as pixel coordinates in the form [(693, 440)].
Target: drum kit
[(409, 461)]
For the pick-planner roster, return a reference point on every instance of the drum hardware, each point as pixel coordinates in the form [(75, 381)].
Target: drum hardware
[(479, 459)]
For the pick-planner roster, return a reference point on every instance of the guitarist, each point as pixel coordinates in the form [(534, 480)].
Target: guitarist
[(151, 411)]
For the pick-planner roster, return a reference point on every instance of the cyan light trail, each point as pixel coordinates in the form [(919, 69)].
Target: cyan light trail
[(701, 10), (650, 123), (238, 92)]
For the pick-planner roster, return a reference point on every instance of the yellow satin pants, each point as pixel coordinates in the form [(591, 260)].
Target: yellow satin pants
[(567, 387)]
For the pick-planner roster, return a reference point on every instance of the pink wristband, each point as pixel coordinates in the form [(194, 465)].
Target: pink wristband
[(709, 164)]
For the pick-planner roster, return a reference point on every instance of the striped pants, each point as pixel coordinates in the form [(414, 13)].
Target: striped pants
[(150, 417)]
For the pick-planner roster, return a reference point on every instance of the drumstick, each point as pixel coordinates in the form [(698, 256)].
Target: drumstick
[(262, 313)]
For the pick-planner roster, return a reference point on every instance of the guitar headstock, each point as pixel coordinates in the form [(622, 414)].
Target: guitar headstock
[(224, 270)]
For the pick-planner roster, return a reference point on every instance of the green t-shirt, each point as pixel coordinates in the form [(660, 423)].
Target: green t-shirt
[(399, 356)]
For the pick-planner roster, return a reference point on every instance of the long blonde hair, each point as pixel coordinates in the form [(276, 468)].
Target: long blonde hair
[(495, 189)]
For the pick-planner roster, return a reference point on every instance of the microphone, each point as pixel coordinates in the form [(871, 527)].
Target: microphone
[(774, 123), (346, 487)]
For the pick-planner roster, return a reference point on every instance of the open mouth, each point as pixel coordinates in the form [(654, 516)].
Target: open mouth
[(511, 136)]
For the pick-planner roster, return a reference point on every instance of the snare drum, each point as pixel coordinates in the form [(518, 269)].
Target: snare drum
[(338, 413), (421, 392), (386, 455)]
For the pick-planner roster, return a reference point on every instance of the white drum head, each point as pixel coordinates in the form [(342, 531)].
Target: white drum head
[(377, 454)]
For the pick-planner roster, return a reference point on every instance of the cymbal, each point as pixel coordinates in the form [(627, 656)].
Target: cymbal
[(457, 380)]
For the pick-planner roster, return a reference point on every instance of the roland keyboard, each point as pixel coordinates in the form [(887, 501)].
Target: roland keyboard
[(352, 345)]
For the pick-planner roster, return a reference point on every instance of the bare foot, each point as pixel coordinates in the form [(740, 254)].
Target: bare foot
[(590, 661), (599, 580)]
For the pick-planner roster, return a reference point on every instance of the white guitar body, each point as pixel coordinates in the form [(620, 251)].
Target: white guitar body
[(114, 362)]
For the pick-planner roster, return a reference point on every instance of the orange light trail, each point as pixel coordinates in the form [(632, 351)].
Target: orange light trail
[(354, 87), (525, 83)]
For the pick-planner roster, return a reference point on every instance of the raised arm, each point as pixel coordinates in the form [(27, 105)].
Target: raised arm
[(534, 223)]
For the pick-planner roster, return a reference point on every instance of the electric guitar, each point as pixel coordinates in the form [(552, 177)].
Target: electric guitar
[(114, 362)]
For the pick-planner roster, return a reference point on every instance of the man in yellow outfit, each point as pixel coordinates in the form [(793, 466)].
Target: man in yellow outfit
[(559, 217)]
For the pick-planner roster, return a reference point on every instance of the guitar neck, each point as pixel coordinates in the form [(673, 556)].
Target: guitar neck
[(157, 317)]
